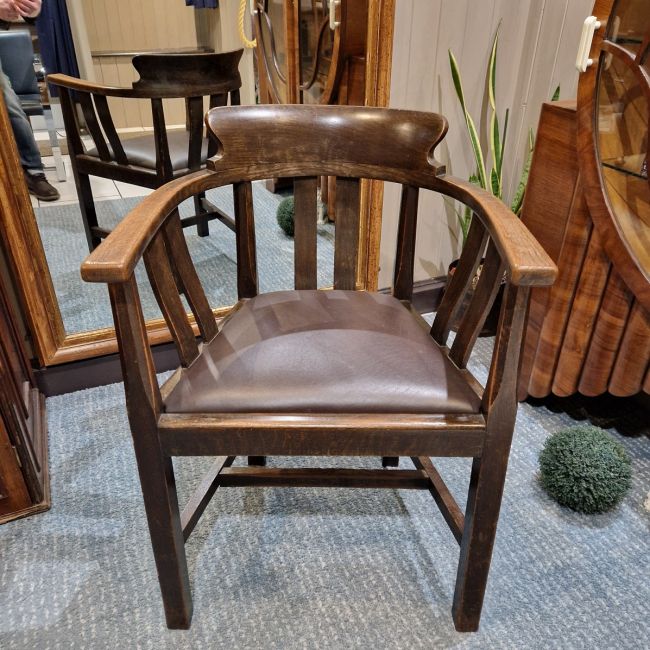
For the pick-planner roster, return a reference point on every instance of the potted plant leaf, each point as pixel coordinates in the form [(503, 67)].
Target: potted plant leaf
[(492, 181)]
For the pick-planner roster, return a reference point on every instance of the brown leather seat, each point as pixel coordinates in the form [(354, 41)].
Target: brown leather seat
[(322, 352), (141, 151)]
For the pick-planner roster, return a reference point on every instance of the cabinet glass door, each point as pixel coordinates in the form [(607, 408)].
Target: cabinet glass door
[(623, 94), (316, 45), (273, 46)]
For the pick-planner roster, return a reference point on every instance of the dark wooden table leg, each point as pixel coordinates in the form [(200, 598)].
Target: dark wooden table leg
[(257, 461), (390, 461)]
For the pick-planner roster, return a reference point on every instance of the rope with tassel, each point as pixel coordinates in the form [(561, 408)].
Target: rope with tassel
[(242, 34)]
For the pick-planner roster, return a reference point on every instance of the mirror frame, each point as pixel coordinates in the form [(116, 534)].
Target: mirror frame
[(26, 255)]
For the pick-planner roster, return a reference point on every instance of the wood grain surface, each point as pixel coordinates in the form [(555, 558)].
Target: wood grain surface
[(558, 307), (633, 357), (608, 332), (584, 312)]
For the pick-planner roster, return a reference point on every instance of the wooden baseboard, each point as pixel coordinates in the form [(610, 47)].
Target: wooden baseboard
[(426, 293), (43, 506), (99, 371)]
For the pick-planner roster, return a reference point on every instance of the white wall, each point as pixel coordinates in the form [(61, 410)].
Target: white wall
[(538, 42)]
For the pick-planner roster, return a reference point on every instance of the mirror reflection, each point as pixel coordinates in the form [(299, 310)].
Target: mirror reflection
[(122, 115)]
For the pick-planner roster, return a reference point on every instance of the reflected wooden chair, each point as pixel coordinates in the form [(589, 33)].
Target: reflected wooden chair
[(154, 159), (321, 373)]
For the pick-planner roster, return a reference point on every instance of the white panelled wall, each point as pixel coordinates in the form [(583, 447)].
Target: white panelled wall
[(538, 42)]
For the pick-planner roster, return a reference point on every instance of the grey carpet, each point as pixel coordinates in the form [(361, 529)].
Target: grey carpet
[(86, 306), (289, 568)]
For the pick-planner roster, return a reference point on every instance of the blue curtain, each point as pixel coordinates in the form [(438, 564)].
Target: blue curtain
[(202, 4), (55, 40)]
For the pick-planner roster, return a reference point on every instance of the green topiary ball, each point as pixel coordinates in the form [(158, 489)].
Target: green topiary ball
[(285, 215), (585, 469)]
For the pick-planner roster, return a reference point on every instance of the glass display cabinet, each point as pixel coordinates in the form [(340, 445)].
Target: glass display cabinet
[(620, 199), (591, 332), (311, 51)]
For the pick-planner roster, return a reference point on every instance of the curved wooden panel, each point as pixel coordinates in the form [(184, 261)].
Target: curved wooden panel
[(349, 40), (612, 319), (558, 310), (268, 65), (352, 134), (549, 212), (168, 75), (591, 287), (634, 354)]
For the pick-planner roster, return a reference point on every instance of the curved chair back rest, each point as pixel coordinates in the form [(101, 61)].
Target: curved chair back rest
[(184, 75), (316, 139), (162, 76), (17, 56)]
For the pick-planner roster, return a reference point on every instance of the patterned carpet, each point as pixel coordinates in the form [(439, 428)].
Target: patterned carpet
[(86, 306), (289, 568)]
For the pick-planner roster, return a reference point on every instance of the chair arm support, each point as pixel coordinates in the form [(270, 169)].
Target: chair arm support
[(526, 262), (72, 83), (118, 255), (145, 91)]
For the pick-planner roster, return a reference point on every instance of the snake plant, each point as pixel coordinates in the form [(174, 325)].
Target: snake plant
[(493, 182)]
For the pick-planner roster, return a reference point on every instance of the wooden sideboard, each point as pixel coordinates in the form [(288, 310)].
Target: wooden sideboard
[(588, 203), (24, 471), (588, 333)]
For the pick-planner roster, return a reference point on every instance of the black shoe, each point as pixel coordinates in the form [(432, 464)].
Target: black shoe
[(38, 185)]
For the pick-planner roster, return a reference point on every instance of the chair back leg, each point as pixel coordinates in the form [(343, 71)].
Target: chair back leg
[(54, 142), (202, 226), (87, 207)]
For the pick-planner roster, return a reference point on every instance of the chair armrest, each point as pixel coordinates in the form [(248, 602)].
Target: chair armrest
[(118, 255), (72, 83), (526, 262)]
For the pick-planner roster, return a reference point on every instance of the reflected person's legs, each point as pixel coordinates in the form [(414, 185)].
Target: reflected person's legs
[(30, 156)]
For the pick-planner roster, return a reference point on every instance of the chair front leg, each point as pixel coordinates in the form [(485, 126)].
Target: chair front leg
[(489, 471), (163, 516), (481, 518)]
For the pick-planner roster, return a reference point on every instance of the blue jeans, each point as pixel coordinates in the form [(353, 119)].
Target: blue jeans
[(30, 156)]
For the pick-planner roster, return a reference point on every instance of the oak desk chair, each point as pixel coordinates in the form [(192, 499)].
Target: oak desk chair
[(321, 373), (155, 159)]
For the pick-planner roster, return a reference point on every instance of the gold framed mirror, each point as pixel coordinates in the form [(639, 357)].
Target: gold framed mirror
[(26, 254)]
